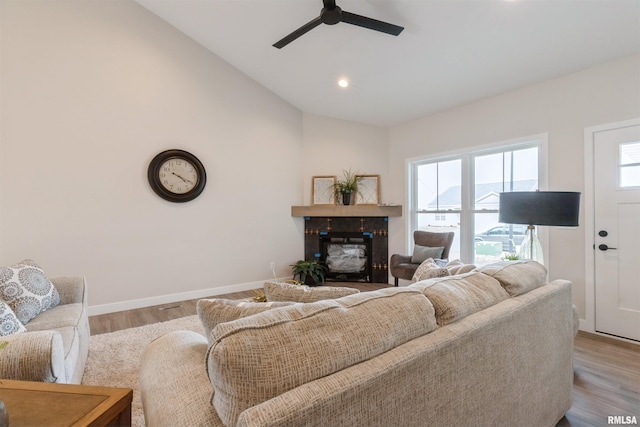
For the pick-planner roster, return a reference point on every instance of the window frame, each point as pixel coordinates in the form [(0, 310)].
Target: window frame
[(467, 211), (621, 167)]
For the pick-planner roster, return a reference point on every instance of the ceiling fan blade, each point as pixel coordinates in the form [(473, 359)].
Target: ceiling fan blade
[(297, 33), (370, 23)]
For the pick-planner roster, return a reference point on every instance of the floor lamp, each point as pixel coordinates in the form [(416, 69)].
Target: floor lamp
[(556, 208)]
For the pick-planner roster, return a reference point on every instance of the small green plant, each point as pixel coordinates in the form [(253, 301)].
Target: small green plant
[(309, 272), (511, 257), (348, 183), (3, 344)]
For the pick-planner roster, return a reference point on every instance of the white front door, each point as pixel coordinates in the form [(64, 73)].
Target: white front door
[(617, 231)]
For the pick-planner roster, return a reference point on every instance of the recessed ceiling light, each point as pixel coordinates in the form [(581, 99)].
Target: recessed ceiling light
[(343, 82)]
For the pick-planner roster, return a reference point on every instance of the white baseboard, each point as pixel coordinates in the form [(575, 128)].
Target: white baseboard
[(95, 310), (584, 326)]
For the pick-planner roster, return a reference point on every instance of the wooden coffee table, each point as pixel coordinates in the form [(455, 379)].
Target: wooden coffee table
[(48, 404)]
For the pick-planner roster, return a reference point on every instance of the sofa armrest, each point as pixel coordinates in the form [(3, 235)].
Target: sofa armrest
[(72, 289), (171, 366), (33, 356)]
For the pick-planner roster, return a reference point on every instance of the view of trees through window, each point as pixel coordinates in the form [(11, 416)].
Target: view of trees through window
[(460, 193)]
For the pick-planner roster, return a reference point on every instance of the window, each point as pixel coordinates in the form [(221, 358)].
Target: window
[(438, 198), (461, 193), (630, 164)]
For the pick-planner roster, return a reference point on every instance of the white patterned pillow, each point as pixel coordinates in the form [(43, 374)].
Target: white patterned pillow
[(26, 289), (428, 269), (9, 323)]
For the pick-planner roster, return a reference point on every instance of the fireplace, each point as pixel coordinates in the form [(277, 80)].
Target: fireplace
[(354, 249), (347, 256)]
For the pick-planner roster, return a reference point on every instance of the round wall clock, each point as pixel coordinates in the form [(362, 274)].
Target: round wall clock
[(177, 176)]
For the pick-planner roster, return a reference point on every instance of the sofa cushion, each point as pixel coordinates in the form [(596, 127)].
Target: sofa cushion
[(517, 277), (27, 290), (457, 297), (9, 323), (219, 310), (428, 270), (256, 358), (458, 267), (421, 253), (62, 316), (278, 291)]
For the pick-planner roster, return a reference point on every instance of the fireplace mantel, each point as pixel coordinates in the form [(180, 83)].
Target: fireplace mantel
[(346, 211)]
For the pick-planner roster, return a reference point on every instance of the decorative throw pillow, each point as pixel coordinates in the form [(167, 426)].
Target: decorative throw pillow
[(9, 323), (458, 267), (277, 291), (428, 270), (517, 277), (421, 253), (218, 310), (26, 289)]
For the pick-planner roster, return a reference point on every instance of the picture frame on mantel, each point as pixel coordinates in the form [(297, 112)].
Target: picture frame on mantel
[(368, 190), (322, 190)]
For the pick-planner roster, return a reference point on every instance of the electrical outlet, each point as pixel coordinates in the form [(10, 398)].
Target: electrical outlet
[(272, 265)]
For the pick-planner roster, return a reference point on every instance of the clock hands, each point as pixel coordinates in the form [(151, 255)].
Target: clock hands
[(185, 180)]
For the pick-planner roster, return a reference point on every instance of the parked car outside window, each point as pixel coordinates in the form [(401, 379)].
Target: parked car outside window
[(502, 233)]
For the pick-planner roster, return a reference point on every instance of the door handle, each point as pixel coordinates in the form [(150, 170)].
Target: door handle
[(604, 247)]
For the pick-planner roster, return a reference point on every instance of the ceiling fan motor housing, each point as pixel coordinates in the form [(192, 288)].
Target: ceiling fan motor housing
[(331, 16)]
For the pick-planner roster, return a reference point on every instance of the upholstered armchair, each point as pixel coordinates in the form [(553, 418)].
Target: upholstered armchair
[(55, 345), (404, 266)]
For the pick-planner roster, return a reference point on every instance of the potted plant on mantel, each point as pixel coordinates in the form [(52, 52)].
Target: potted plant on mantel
[(310, 272), (347, 186)]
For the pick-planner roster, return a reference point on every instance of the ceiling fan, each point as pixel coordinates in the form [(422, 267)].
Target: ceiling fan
[(331, 14)]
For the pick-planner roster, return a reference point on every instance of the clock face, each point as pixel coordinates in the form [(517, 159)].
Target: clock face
[(176, 176)]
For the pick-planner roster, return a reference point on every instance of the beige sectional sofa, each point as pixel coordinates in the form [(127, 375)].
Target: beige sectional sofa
[(56, 344), (492, 347)]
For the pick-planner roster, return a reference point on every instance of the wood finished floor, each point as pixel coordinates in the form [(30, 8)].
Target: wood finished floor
[(606, 370)]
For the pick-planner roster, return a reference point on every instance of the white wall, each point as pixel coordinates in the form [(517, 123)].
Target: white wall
[(91, 91), (563, 107), (332, 146)]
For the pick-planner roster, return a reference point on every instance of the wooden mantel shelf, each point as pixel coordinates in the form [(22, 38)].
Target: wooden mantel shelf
[(347, 211)]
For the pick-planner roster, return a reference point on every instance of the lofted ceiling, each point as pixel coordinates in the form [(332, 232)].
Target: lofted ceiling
[(451, 52)]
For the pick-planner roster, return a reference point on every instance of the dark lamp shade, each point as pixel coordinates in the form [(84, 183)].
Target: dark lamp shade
[(560, 208)]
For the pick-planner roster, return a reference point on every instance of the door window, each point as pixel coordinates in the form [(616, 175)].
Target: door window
[(630, 164)]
